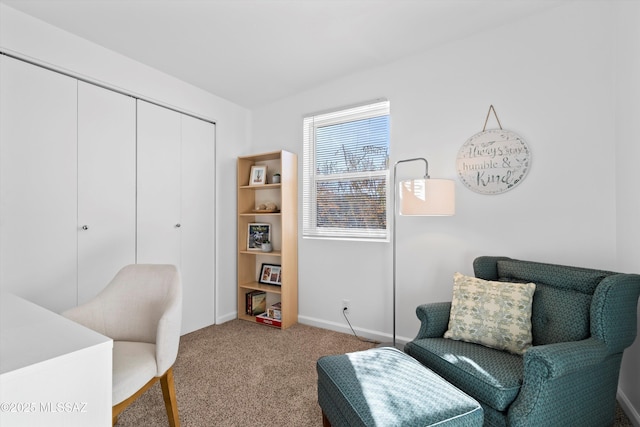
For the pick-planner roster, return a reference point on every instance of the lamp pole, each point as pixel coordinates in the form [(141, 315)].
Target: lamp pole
[(393, 229)]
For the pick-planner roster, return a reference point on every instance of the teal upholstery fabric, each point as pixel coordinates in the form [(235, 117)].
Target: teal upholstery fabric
[(434, 319), (582, 320), (562, 301), (385, 387), (492, 376), (614, 311), (559, 315)]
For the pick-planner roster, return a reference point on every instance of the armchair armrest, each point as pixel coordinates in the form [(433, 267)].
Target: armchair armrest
[(553, 372), (434, 319), (168, 332), (613, 311), (556, 360)]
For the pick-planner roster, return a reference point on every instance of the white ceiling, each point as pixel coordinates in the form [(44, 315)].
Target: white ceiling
[(253, 52)]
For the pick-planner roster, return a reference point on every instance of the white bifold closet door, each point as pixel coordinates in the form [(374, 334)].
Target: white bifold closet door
[(92, 180), (38, 184), (106, 187), (175, 215), (159, 140), (197, 217)]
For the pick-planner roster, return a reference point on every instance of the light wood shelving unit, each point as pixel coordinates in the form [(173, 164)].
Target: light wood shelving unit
[(284, 232)]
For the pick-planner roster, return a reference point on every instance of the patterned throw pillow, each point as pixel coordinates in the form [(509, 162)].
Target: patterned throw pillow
[(494, 314)]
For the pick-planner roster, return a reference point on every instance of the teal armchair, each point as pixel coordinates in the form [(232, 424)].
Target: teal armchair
[(582, 320)]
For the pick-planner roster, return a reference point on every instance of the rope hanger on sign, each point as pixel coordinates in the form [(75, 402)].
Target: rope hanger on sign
[(487, 119)]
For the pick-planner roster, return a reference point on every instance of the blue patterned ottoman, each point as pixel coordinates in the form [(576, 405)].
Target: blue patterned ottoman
[(385, 387)]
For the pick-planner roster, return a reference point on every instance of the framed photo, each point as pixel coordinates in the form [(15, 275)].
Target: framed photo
[(258, 175), (271, 274), (257, 234)]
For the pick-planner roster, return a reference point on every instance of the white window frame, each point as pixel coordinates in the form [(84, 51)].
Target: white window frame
[(310, 229)]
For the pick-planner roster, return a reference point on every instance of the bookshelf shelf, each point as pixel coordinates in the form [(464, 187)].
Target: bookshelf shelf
[(268, 254), (259, 187), (255, 286), (257, 214)]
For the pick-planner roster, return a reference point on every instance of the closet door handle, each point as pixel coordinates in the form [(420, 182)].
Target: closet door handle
[(178, 225), (85, 227)]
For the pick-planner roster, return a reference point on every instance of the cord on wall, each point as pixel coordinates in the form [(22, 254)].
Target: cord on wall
[(344, 313)]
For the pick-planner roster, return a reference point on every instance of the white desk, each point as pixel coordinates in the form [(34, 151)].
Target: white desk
[(53, 371)]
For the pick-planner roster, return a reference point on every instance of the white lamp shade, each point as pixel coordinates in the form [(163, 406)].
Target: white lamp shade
[(427, 197)]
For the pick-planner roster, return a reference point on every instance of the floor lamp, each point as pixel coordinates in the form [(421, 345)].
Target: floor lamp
[(418, 197)]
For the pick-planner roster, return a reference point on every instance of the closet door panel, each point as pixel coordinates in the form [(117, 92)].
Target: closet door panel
[(38, 174), (106, 187), (198, 139), (158, 216)]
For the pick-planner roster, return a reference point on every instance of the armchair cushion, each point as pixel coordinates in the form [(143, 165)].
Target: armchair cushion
[(494, 314), (491, 376)]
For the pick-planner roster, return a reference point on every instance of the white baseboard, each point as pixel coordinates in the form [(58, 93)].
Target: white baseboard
[(628, 409), (344, 328), (332, 326), (227, 317)]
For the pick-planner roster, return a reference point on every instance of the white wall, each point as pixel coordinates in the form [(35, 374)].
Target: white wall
[(28, 37), (551, 80), (627, 95)]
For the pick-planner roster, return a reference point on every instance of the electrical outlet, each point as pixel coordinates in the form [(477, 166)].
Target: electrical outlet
[(346, 305)]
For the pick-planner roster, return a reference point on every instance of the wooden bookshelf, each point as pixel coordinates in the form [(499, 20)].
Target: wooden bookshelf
[(284, 232)]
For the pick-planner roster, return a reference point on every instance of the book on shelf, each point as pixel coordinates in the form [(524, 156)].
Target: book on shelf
[(256, 302), (265, 319)]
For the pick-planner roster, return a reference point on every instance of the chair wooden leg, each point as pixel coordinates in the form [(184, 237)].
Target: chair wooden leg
[(169, 395), (325, 420), (120, 407)]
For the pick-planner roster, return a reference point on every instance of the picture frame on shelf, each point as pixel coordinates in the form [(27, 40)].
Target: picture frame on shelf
[(257, 233), (271, 274), (258, 175)]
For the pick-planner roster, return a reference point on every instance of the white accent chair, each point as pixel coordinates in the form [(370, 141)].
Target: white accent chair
[(141, 310)]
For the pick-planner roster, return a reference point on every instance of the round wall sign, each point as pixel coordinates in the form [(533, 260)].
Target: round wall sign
[(493, 161)]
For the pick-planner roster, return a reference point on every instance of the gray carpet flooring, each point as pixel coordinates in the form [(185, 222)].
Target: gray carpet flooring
[(244, 374)]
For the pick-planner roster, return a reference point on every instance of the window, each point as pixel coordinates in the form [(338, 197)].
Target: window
[(346, 173)]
